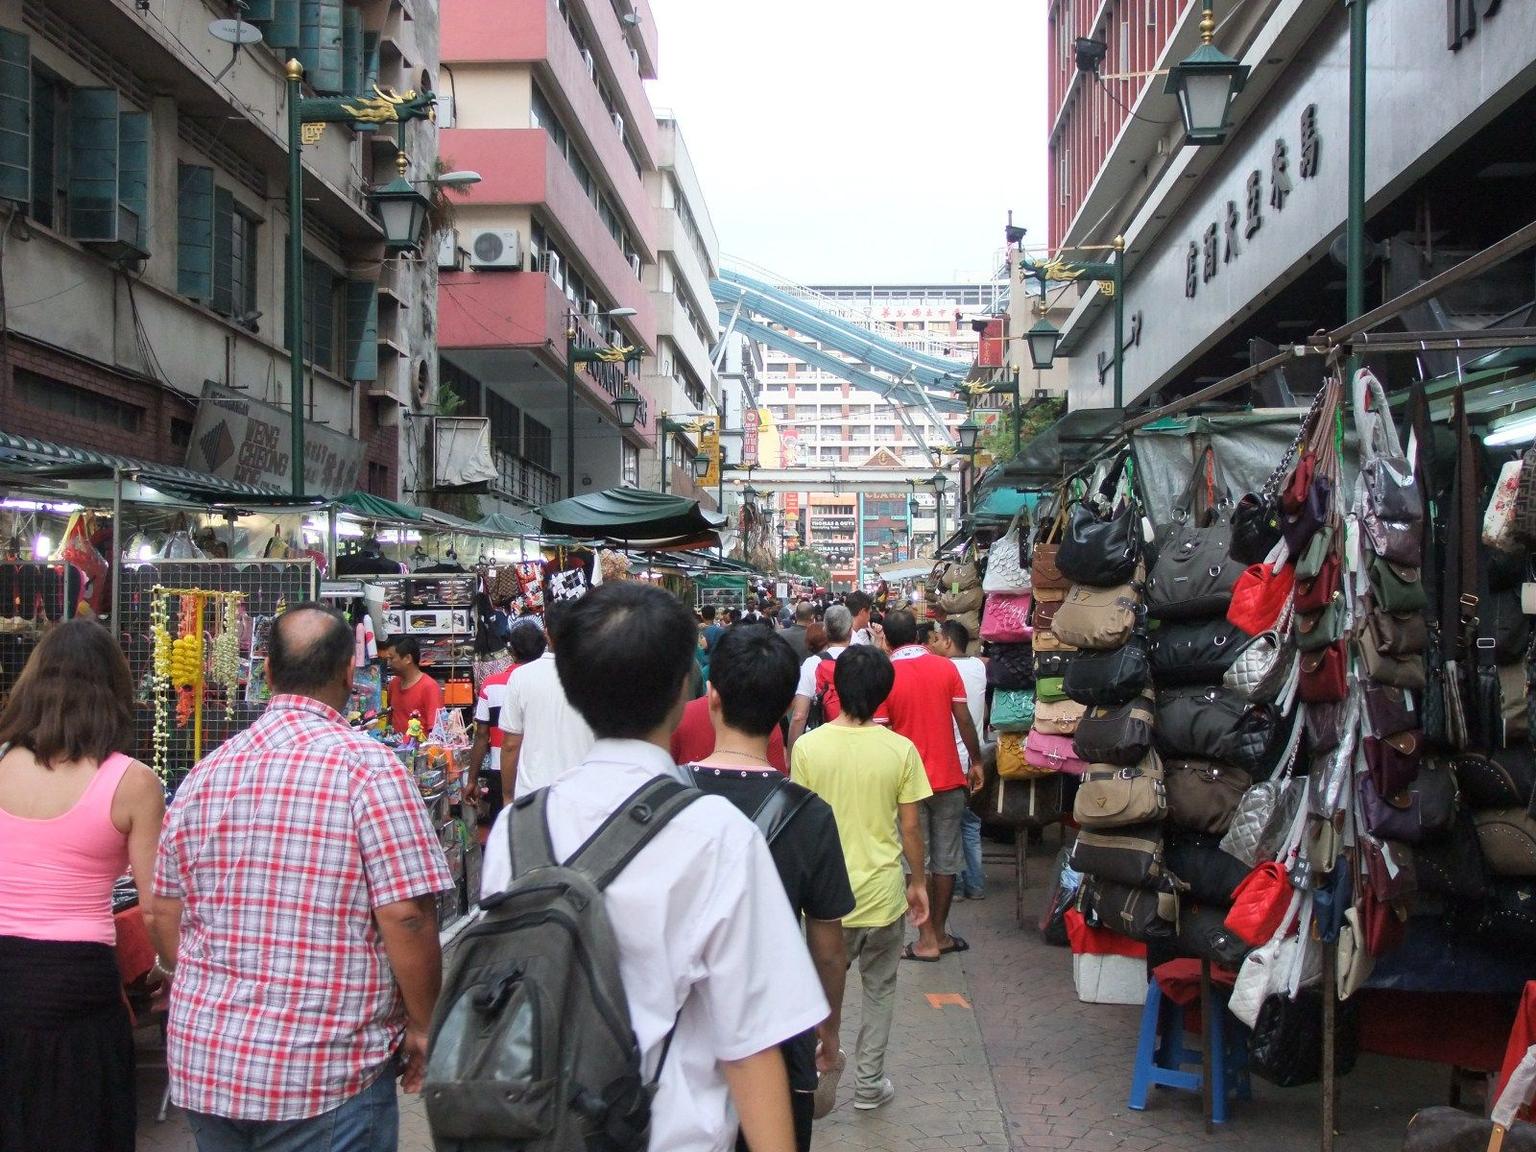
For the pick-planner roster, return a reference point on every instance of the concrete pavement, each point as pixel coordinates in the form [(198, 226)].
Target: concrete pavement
[(991, 1049)]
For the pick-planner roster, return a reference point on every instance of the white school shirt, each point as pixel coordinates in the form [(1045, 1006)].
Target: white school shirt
[(555, 737), (807, 685), (706, 938), (973, 674)]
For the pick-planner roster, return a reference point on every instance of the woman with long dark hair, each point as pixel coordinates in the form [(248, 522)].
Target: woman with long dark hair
[(75, 811)]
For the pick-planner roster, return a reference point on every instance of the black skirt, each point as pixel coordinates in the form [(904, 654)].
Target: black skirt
[(66, 1049)]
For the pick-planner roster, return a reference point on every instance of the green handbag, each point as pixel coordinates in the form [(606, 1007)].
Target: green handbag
[(1397, 587), (1049, 690), (1013, 709), (1316, 551), (1319, 629)]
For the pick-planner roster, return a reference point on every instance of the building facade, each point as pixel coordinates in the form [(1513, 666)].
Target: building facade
[(143, 169), (549, 106), (1233, 250)]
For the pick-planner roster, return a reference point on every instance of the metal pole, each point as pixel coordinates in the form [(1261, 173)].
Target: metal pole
[(117, 551), (938, 521), (1119, 246), (662, 458), (330, 540), (1354, 286), (1018, 414), (570, 405), (295, 73)]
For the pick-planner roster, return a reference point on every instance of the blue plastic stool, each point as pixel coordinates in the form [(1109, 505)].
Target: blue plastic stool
[(1161, 1054)]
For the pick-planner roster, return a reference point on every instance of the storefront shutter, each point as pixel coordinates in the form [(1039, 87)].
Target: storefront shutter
[(93, 163), (320, 43), (15, 117), (133, 174), (362, 330), (223, 251), (194, 231), (352, 50)]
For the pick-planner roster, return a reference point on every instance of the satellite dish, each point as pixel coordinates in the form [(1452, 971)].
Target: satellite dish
[(236, 32)]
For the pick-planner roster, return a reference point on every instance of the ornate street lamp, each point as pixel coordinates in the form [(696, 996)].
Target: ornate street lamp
[(1205, 83), (701, 465), (402, 209), (969, 432), (1043, 339), (626, 407)]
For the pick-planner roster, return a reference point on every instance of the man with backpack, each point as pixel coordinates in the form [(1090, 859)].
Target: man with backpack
[(816, 694), (638, 964), (754, 678)]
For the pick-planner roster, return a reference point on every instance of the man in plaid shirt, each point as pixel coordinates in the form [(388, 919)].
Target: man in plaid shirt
[(296, 879)]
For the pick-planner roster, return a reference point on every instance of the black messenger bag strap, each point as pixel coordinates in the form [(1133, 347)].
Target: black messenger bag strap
[(779, 807)]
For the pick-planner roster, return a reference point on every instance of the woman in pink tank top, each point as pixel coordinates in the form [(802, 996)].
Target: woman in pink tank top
[(75, 811)]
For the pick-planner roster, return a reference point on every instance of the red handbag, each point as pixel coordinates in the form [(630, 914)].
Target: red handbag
[(1323, 678), (1259, 904), (1259, 597), (1317, 592), (1383, 922)]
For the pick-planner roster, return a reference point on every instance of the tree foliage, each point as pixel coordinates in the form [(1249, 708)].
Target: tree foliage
[(997, 440), (803, 562)]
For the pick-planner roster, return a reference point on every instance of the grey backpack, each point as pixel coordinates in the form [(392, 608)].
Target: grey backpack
[(531, 1045)]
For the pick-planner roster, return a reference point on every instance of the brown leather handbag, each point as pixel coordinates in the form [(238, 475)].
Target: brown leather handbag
[(1508, 840), (1043, 571), (1097, 618), (1202, 795)]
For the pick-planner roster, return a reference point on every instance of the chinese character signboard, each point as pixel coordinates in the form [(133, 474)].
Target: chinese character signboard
[(241, 439)]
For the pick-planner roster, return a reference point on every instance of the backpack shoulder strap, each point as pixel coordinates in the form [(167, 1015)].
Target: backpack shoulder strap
[(632, 826), (779, 807), (528, 834)]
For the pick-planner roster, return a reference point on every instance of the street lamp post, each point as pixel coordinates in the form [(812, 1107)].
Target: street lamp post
[(1111, 273), (573, 355), (939, 482), (401, 208)]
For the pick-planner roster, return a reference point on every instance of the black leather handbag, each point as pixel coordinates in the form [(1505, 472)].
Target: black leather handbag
[(1509, 917), (1195, 571), (1113, 677), (1140, 913), (1503, 779), (1453, 865), (1132, 855), (1215, 724), (1120, 735), (1196, 858), (1204, 933), (1052, 663), (1101, 549), (1287, 1044), (1010, 666), (1196, 652)]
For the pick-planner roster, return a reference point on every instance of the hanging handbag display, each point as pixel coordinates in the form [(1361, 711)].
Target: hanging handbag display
[(1509, 916), (1110, 677), (1046, 602), (1138, 913), (1388, 868), (1093, 618), (1315, 556), (1323, 675), (959, 576), (1396, 587), (1499, 520), (1213, 724), (1255, 526), (956, 603), (1195, 573), (1327, 625), (1317, 592), (1197, 859), (1287, 1044), (1500, 616), (1389, 710), (1306, 499), (1006, 573), (1259, 903), (1006, 619), (1013, 709), (1043, 572), (1525, 498), (1260, 596), (1265, 813), (1384, 668), (1393, 761), (1390, 817), (1119, 735), (1194, 652), (1203, 795), (1057, 717), (1053, 663), (1012, 760), (1102, 548), (1264, 670), (1452, 865), (1394, 506), (1507, 837), (1010, 665), (1049, 690), (1202, 934), (1115, 797), (1132, 856), (1023, 803), (1051, 753), (1435, 787), (1397, 633), (1502, 779)]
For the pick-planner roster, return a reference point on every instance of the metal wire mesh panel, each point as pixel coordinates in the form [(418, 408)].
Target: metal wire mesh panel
[(265, 584)]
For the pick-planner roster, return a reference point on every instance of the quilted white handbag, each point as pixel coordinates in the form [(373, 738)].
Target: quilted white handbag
[(1006, 572), (1265, 664)]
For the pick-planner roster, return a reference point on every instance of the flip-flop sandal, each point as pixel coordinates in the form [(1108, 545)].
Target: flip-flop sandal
[(956, 944), (908, 954)]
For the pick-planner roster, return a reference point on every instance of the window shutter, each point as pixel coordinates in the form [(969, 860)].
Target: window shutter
[(223, 251), (281, 29), (352, 50), (16, 116), (93, 164), (362, 330), (194, 232), (320, 45), (133, 173)]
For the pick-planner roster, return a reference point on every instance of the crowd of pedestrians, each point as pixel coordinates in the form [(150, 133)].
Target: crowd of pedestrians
[(827, 753)]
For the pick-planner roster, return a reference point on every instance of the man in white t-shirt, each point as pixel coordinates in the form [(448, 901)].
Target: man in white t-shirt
[(838, 622), (542, 735), (950, 640), (709, 951), (859, 606)]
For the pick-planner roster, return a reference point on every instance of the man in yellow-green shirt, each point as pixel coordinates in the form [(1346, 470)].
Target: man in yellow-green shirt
[(871, 778)]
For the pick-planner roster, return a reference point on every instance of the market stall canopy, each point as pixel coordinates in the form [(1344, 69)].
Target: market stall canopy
[(1003, 503), (503, 524), (371, 507), (637, 517), (1060, 448)]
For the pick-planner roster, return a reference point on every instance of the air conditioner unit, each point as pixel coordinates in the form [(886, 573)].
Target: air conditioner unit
[(445, 111), (552, 266), (496, 249), (586, 58), (618, 125), (448, 249), (634, 263)]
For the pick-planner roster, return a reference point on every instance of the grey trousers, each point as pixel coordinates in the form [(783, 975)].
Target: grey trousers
[(878, 953)]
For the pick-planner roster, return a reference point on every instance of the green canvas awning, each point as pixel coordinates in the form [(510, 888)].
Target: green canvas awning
[(372, 507), (504, 524), (629, 514)]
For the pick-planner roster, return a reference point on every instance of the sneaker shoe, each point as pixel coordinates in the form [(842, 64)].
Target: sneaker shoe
[(826, 1087), (886, 1094)]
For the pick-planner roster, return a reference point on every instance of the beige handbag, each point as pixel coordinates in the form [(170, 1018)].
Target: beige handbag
[(1354, 963), (1098, 618), (1058, 717), (1111, 797), (1508, 840)]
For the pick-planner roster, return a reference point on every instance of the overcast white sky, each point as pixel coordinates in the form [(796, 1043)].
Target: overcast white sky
[(861, 141)]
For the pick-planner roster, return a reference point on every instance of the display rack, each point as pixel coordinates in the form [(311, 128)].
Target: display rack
[(29, 591)]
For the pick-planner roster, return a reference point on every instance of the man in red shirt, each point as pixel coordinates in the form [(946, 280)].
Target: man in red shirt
[(927, 703), (410, 689), (694, 739)]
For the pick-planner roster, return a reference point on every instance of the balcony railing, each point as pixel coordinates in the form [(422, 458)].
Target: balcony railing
[(519, 479)]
